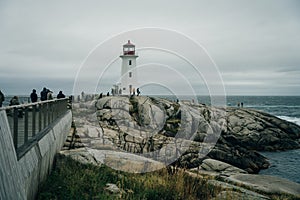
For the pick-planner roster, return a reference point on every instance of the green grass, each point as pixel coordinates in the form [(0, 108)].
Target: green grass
[(73, 180)]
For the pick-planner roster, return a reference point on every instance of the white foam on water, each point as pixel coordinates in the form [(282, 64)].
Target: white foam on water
[(295, 120)]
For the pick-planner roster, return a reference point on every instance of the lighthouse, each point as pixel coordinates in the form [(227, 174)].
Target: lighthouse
[(128, 70)]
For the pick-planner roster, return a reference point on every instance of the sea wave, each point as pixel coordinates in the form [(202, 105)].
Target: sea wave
[(295, 120)]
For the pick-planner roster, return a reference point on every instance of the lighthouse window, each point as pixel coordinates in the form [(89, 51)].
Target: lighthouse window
[(129, 62), (130, 74)]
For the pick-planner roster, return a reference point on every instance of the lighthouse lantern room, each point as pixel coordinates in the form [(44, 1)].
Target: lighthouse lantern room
[(128, 71)]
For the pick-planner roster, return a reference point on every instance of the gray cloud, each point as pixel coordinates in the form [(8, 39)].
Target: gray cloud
[(255, 44)]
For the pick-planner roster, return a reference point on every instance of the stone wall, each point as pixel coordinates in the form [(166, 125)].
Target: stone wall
[(20, 179)]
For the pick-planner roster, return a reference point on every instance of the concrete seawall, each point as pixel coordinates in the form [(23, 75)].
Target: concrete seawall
[(20, 179)]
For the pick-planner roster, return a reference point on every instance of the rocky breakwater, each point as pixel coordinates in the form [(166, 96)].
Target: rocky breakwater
[(186, 135)]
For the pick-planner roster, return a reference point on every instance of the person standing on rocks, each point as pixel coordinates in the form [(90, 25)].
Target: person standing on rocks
[(2, 98), (138, 91), (112, 91), (33, 96)]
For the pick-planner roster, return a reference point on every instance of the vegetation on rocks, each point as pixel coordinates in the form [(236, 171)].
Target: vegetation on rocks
[(73, 180)]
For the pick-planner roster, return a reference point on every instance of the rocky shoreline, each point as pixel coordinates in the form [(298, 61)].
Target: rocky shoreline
[(218, 142), (241, 132)]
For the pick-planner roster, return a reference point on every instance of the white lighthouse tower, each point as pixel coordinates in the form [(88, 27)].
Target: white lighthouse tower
[(128, 71)]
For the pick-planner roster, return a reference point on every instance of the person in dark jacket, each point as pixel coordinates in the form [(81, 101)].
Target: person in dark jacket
[(60, 95), (44, 93), (33, 96), (15, 101), (138, 91), (2, 98)]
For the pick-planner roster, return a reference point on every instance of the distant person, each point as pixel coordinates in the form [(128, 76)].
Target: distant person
[(242, 104), (49, 95), (238, 104), (33, 96), (2, 98), (44, 94), (138, 91), (15, 101), (61, 95)]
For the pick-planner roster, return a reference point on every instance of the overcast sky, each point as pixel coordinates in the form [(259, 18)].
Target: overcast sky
[(255, 44)]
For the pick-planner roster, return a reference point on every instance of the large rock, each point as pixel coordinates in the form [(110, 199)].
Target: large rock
[(111, 102), (220, 167), (81, 155), (251, 161), (230, 191), (266, 184), (224, 195), (260, 131), (125, 161), (149, 115)]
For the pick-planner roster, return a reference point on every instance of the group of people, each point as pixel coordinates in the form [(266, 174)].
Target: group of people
[(240, 104), (46, 94), (132, 92)]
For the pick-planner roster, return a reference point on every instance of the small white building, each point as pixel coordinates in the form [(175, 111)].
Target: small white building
[(128, 72)]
